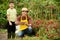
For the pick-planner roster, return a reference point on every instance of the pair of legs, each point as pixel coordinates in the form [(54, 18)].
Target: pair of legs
[(23, 32), (11, 30)]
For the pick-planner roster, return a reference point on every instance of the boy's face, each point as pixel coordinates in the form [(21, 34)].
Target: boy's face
[(11, 5)]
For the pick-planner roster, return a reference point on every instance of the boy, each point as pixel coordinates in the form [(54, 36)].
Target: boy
[(11, 17)]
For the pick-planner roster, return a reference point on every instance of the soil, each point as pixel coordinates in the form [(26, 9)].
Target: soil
[(3, 36)]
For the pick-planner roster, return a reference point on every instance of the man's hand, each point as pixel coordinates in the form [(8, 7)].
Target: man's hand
[(27, 24), (19, 23), (22, 23)]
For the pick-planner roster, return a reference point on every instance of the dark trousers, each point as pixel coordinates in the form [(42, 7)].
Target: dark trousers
[(11, 30)]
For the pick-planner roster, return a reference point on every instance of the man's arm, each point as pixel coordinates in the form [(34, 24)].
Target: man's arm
[(29, 21), (18, 21)]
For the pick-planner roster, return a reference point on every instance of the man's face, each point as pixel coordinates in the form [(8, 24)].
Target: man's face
[(24, 13), (11, 5)]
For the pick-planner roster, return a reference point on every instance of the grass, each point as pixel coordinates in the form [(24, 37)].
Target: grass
[(3, 30), (28, 38), (18, 38)]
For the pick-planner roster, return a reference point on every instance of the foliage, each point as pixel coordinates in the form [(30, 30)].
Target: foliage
[(47, 29), (42, 11)]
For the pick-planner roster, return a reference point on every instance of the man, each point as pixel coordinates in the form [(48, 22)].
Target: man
[(25, 23), (11, 17)]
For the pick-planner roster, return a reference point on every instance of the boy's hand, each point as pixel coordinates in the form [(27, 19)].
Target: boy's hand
[(10, 23)]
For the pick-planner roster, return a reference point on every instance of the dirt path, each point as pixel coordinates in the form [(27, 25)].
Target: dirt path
[(3, 36)]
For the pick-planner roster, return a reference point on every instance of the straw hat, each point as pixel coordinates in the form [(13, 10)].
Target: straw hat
[(24, 9)]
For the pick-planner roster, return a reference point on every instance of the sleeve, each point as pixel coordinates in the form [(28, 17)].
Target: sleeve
[(8, 15), (16, 11), (18, 18), (7, 11), (29, 20)]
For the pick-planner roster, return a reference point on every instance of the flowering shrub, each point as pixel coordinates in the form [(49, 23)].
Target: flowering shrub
[(47, 28)]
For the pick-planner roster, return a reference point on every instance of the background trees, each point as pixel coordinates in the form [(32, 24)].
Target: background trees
[(38, 9)]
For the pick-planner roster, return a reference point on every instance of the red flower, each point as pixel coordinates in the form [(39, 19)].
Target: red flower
[(37, 35), (54, 27), (46, 29), (46, 18), (38, 22), (50, 22), (52, 7), (36, 26), (49, 35)]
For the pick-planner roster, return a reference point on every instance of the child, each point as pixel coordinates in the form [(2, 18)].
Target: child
[(11, 17)]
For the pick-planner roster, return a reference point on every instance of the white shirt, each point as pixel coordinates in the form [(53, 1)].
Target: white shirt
[(12, 14)]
